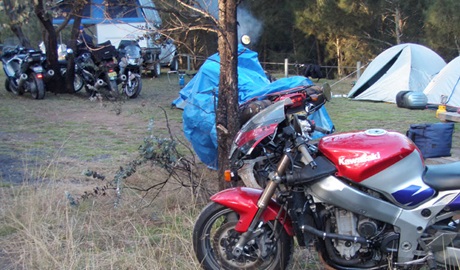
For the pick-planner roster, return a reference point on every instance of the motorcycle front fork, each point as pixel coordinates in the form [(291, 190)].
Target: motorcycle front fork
[(262, 203)]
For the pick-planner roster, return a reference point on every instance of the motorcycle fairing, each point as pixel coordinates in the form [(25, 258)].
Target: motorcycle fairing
[(259, 127), (243, 200), (402, 186), (360, 155)]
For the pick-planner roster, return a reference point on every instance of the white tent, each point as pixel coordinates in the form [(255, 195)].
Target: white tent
[(404, 67), (446, 83)]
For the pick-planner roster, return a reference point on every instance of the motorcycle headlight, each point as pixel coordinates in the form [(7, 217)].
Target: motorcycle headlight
[(132, 61)]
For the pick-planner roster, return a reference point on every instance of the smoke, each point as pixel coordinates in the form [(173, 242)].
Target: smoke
[(247, 23)]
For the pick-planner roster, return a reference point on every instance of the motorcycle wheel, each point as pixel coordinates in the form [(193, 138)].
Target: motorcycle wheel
[(78, 83), (37, 87), (7, 85), (135, 89), (214, 238), (114, 89), (14, 88)]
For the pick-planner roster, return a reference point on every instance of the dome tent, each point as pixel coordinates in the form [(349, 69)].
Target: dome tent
[(404, 67), (446, 83)]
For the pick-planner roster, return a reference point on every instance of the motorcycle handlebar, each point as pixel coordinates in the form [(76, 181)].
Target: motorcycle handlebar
[(322, 130)]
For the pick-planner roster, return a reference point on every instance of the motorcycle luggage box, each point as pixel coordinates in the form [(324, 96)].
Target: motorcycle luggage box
[(411, 100), (105, 51)]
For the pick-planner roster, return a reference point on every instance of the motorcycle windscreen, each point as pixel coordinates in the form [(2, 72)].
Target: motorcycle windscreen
[(132, 51), (258, 127)]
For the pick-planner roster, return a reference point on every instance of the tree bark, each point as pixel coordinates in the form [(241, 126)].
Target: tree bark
[(227, 120)]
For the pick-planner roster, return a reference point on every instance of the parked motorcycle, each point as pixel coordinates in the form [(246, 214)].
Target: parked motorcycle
[(106, 71), (364, 199), (86, 69), (130, 67), (24, 70)]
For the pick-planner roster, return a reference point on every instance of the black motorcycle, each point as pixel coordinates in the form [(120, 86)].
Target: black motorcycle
[(24, 70), (130, 68), (105, 78)]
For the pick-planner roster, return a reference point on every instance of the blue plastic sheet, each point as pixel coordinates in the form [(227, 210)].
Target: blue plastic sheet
[(198, 99)]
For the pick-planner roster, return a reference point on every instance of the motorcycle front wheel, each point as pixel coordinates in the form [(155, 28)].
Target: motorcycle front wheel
[(37, 87), (78, 83), (214, 238), (135, 89)]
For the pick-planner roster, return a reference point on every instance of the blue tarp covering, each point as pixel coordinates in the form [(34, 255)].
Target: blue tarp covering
[(199, 98)]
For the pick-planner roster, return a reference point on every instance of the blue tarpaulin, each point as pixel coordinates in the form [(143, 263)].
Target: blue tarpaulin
[(198, 99)]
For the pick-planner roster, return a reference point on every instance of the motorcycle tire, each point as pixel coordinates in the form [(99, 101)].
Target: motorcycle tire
[(214, 238), (135, 89), (7, 85), (37, 87), (114, 89), (78, 83), (15, 89)]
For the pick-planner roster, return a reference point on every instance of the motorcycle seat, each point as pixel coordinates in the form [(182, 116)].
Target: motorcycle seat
[(443, 176)]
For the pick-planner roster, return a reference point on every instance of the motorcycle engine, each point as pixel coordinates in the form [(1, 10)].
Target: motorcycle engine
[(347, 223)]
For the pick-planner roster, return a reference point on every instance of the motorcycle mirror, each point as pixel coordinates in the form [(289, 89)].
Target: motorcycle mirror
[(245, 40), (327, 91)]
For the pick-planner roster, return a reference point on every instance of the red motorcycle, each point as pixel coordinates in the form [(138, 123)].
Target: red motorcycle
[(365, 199)]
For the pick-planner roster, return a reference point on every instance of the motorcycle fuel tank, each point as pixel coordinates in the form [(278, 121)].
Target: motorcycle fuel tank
[(360, 155)]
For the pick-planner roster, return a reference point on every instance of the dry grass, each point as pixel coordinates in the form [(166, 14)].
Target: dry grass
[(40, 229)]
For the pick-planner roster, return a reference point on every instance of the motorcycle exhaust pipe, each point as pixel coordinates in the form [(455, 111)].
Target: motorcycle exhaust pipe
[(99, 84), (323, 235), (122, 78), (22, 79), (49, 74)]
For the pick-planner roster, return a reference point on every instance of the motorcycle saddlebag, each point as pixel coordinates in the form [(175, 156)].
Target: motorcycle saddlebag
[(433, 140), (411, 100)]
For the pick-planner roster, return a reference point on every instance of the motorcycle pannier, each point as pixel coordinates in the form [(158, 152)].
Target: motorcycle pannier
[(433, 140)]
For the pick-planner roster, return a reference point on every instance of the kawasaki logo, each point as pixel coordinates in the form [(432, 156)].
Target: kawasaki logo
[(362, 159)]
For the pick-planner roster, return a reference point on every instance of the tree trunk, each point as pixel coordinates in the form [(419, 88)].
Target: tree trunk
[(339, 57), (56, 83), (398, 25), (15, 26), (227, 121)]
